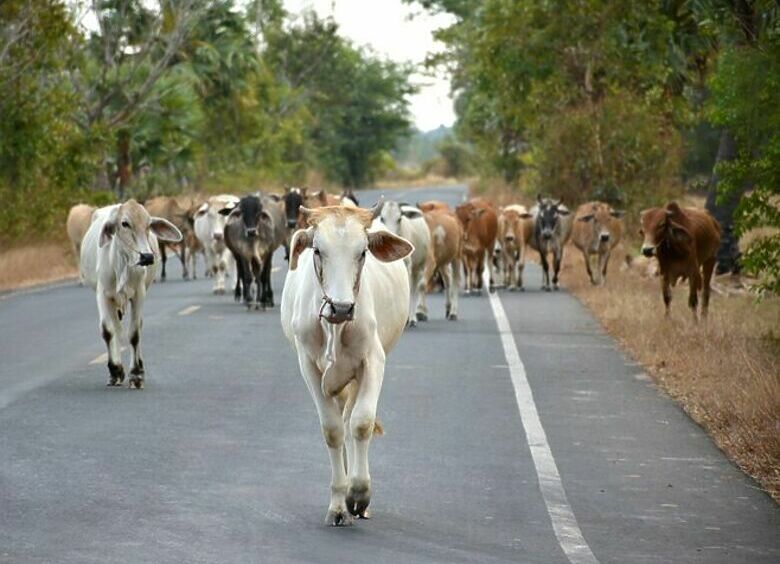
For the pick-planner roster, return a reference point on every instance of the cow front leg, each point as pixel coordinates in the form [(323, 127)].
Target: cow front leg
[(164, 259), (557, 259), (267, 298), (137, 372), (185, 273), (362, 424), (333, 432), (451, 277), (110, 329), (666, 291), (694, 283), (708, 268), (545, 271)]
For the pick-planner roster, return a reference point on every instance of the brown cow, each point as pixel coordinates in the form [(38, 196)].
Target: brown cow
[(515, 229), (182, 217), (433, 205), (596, 231), (446, 243), (79, 219), (480, 224), (685, 241)]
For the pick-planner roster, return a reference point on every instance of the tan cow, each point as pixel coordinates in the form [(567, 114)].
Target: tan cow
[(169, 208), (79, 218), (480, 225), (596, 231), (447, 244), (515, 229), (433, 205)]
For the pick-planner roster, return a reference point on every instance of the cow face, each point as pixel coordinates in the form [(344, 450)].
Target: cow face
[(129, 227), (510, 226), (600, 221), (214, 214), (660, 226), (293, 200), (392, 214), (253, 217), (340, 242), (548, 216)]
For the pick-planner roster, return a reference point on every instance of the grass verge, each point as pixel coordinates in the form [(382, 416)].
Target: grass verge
[(36, 264), (725, 373)]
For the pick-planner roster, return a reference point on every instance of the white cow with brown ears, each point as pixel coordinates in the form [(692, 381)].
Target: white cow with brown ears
[(344, 306), (118, 256)]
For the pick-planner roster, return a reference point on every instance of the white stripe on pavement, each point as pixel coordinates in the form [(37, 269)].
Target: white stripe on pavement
[(567, 531), (103, 358), (189, 309)]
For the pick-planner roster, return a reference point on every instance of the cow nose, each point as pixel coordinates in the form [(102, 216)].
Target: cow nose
[(145, 259), (648, 251), (605, 237), (510, 238), (291, 223), (218, 236), (251, 232), (341, 312), (546, 235)]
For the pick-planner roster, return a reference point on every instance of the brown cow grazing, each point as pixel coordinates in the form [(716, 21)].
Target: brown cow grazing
[(433, 205), (684, 240), (446, 243), (515, 229), (183, 218), (79, 219), (480, 225), (596, 231)]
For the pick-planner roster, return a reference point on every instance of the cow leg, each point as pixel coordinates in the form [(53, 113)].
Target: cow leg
[(185, 273), (237, 292), (333, 432), (694, 285), (453, 275), (666, 290), (557, 259), (193, 257), (361, 427), (545, 271), (411, 319), (164, 259), (110, 329), (603, 264), (520, 267), (137, 372), (488, 258), (708, 268), (586, 258), (255, 283), (268, 292)]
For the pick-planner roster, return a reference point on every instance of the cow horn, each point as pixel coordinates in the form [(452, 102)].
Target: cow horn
[(377, 209)]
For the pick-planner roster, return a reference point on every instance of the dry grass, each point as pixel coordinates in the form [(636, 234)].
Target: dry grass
[(725, 373), (36, 264), (418, 182)]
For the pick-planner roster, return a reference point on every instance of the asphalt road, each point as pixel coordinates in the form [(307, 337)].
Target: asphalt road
[(220, 458)]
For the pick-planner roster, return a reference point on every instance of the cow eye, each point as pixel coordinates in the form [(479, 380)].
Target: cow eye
[(125, 224), (641, 231), (363, 254), (316, 251)]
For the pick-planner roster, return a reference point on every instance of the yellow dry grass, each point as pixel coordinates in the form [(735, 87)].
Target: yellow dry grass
[(725, 373), (36, 264)]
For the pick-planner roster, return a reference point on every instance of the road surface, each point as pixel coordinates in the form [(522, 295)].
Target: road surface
[(220, 458)]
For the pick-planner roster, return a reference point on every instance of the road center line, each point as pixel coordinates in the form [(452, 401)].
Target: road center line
[(567, 531), (103, 358), (189, 309)]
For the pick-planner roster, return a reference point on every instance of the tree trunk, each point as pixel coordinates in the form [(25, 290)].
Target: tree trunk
[(123, 164), (723, 211)]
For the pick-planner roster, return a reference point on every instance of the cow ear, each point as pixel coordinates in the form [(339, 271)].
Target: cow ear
[(617, 213), (109, 228), (585, 217), (477, 212), (165, 230), (526, 215), (301, 239), (266, 216), (388, 247), (563, 211), (411, 213), (202, 210)]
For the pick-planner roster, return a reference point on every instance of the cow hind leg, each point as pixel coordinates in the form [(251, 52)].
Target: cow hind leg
[(557, 259), (185, 273), (453, 275), (694, 285), (708, 267), (267, 297), (666, 291)]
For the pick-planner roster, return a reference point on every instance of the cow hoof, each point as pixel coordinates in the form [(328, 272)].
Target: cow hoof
[(411, 323), (422, 316), (521, 289), (556, 288), (452, 316), (136, 383), (116, 374), (338, 518), (358, 498), (513, 288)]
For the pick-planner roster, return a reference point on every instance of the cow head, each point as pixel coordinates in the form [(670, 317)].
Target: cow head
[(548, 216), (600, 220), (214, 213), (293, 200), (253, 217), (340, 242), (129, 227), (392, 214), (510, 224), (662, 226)]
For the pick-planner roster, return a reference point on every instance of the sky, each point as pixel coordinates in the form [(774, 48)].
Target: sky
[(386, 27)]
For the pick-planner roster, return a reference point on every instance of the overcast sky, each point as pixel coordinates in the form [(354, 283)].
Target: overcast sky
[(385, 26)]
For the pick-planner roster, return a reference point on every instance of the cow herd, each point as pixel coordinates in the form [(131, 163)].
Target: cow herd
[(357, 277)]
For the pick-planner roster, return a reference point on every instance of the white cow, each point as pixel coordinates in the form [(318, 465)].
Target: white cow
[(344, 306), (409, 223), (118, 256), (210, 231)]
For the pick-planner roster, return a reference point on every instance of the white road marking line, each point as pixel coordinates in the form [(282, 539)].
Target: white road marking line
[(103, 358), (564, 523), (189, 309), (276, 269)]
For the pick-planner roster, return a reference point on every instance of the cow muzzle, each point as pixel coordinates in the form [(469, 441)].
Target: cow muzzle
[(337, 312), (251, 232), (145, 259), (218, 236), (648, 250), (604, 237), (292, 223), (546, 235), (509, 238)]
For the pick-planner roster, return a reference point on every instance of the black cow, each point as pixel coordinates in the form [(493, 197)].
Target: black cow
[(250, 236), (552, 228)]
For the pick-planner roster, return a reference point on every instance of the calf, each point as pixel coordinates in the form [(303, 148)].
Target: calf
[(254, 230), (118, 255), (210, 230), (552, 229), (169, 208), (480, 225), (685, 242), (596, 231), (344, 306), (515, 229), (408, 222), (446, 243), (79, 218)]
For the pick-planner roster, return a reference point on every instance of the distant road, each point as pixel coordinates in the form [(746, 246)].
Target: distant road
[(220, 458)]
